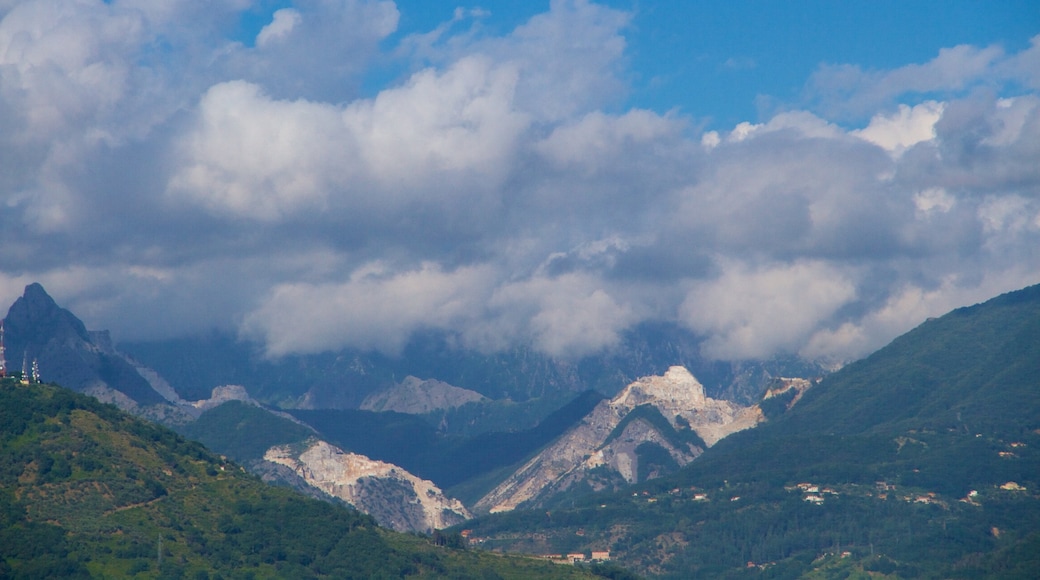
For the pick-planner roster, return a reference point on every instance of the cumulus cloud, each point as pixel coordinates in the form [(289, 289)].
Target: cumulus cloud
[(905, 128), (757, 312), (161, 176), (376, 308)]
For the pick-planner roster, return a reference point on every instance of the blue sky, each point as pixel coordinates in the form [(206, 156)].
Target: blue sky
[(727, 62), (808, 178)]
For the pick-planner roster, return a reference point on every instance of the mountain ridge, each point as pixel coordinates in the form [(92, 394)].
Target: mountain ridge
[(920, 460), (609, 440)]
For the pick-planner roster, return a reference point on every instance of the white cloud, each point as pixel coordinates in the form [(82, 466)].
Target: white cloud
[(281, 26), (259, 158), (905, 128), (906, 308), (61, 63), (256, 157), (161, 178), (568, 315), (461, 120), (757, 312), (375, 309), (596, 140), (849, 90)]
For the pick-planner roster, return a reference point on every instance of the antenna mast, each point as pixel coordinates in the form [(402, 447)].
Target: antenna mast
[(3, 361)]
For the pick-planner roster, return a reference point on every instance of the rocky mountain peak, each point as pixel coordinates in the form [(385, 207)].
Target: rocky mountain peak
[(613, 437), (677, 389), (36, 318), (36, 328)]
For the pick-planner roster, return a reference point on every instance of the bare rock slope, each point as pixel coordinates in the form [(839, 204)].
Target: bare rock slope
[(394, 497), (604, 439), (416, 396)]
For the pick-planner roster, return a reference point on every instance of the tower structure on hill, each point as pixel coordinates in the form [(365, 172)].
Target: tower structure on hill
[(3, 361)]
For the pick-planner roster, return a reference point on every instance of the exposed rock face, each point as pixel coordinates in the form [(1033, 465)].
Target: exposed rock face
[(37, 328), (222, 395), (417, 396), (395, 498), (783, 385), (677, 398)]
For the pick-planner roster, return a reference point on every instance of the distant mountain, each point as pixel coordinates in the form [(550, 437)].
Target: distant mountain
[(474, 463), (652, 427), (921, 460), (89, 491), (36, 328), (416, 396), (345, 379)]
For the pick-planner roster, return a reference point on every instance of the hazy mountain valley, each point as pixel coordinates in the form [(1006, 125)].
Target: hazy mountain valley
[(662, 472)]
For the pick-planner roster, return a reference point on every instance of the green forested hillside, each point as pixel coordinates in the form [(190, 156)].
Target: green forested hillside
[(922, 460), (88, 491), (242, 431)]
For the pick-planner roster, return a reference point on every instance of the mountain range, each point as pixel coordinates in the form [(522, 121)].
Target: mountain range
[(917, 461), (417, 437)]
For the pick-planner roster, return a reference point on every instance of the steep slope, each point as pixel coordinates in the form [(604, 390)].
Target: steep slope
[(36, 328), (89, 491), (922, 460), (286, 452), (645, 419), (395, 498)]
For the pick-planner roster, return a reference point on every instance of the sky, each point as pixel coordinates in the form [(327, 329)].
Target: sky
[(809, 178)]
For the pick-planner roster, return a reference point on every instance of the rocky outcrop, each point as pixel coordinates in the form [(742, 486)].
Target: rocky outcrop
[(223, 394), (394, 497), (416, 396), (790, 389), (670, 412), (36, 328)]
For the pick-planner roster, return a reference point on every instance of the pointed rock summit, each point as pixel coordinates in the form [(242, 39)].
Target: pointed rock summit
[(35, 319), (36, 328)]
